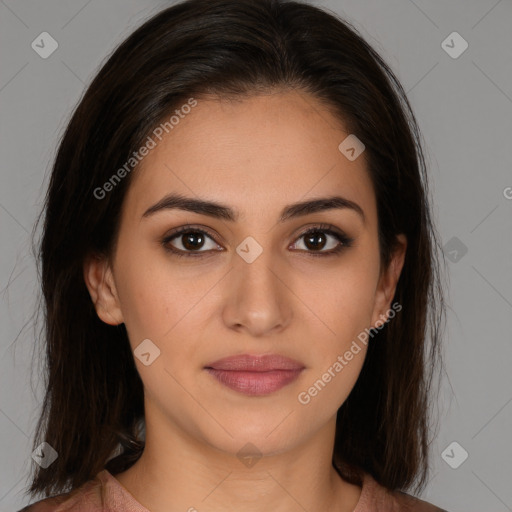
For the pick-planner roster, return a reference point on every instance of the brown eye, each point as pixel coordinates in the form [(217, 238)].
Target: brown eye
[(192, 241), (189, 242), (317, 238), (317, 241)]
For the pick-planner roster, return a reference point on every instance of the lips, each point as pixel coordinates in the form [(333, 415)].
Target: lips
[(255, 375), (262, 363)]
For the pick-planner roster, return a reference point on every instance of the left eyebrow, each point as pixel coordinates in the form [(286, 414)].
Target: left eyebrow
[(221, 211)]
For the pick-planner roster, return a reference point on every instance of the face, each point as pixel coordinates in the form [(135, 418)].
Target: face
[(248, 280)]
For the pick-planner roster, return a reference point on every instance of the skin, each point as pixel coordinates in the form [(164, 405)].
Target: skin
[(198, 310)]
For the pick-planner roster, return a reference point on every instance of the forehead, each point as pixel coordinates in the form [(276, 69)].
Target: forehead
[(255, 154)]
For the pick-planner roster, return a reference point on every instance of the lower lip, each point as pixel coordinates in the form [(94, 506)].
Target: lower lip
[(255, 383)]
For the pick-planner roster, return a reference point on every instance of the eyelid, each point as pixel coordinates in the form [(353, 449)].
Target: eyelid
[(193, 227), (186, 229), (345, 241), (321, 227)]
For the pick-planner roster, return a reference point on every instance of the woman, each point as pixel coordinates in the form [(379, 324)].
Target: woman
[(239, 270)]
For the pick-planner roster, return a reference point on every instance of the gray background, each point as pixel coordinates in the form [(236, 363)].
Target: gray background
[(464, 108)]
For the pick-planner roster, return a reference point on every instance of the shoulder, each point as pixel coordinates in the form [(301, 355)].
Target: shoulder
[(46, 505), (87, 498), (410, 503), (377, 498)]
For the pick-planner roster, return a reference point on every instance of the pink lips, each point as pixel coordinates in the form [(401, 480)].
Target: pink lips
[(255, 375)]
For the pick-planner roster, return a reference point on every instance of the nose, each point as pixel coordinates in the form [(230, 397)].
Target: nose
[(259, 299)]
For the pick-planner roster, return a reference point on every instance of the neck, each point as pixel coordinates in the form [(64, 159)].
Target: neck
[(177, 473)]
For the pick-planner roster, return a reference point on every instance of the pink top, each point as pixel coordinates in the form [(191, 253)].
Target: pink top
[(105, 493)]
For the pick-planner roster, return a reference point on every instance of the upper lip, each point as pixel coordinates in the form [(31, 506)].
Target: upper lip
[(256, 363)]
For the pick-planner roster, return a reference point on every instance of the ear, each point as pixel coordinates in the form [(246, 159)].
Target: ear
[(387, 283), (100, 283)]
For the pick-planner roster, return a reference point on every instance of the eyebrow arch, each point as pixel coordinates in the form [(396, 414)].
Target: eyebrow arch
[(220, 211)]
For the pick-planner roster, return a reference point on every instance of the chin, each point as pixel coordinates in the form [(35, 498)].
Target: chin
[(253, 439)]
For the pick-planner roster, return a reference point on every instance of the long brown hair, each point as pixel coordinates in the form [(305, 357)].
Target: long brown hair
[(93, 406)]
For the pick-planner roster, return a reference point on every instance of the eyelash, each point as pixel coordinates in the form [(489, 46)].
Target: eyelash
[(344, 240)]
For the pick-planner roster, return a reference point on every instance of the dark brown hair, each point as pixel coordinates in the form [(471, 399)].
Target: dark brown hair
[(93, 404)]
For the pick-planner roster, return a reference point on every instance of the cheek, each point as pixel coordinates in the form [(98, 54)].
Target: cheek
[(144, 306), (342, 349), (328, 386), (344, 304), (343, 299), (159, 299)]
